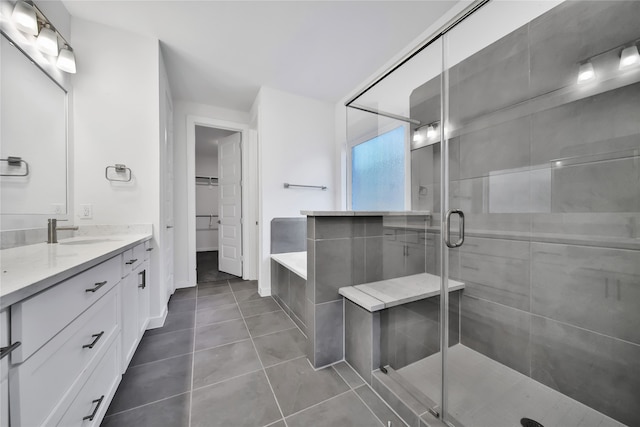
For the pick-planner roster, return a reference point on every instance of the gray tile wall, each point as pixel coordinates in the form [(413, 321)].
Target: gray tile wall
[(564, 313), (346, 251), (289, 289), (288, 235), (410, 332), (362, 339)]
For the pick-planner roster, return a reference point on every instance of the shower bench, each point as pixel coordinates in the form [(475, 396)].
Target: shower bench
[(363, 306)]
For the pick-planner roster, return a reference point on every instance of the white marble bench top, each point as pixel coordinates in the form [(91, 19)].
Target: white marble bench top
[(294, 261), (375, 296)]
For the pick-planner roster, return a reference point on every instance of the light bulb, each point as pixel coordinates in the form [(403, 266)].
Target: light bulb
[(629, 57), (431, 131), (67, 60), (47, 41), (24, 17), (417, 136), (586, 72)]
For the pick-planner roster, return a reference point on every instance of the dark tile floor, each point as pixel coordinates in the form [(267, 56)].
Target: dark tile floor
[(207, 268), (227, 357)]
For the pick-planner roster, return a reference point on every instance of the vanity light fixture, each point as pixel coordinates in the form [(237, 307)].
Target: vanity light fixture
[(47, 41), (67, 60), (24, 17), (586, 72), (629, 57)]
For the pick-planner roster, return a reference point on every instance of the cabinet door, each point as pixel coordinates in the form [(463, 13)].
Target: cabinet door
[(4, 370), (129, 318), (142, 276)]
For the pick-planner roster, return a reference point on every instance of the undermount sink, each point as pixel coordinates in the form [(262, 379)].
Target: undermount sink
[(86, 242)]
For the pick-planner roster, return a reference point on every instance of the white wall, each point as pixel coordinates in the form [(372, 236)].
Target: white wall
[(182, 110), (296, 145), (206, 202), (116, 120)]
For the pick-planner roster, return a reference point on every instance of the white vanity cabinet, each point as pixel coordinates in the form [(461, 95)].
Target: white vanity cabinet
[(135, 300), (4, 369), (77, 338)]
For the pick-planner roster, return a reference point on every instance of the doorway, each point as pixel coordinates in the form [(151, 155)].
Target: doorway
[(216, 199), (208, 203)]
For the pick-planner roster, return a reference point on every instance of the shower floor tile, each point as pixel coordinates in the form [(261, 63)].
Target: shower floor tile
[(483, 392)]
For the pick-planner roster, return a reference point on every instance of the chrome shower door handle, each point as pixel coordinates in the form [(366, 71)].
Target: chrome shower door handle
[(447, 232)]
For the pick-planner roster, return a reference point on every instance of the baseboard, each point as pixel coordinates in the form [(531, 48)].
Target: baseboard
[(184, 285), (158, 322), (264, 292)]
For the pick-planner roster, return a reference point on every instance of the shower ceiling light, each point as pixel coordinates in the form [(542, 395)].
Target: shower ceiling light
[(67, 60), (629, 57), (431, 131), (24, 17), (417, 135), (47, 41), (586, 72)]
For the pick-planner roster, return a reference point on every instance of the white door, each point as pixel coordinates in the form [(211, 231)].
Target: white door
[(230, 204), (167, 256)]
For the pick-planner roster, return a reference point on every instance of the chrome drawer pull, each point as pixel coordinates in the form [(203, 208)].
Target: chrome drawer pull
[(95, 411), (96, 338), (131, 261), (143, 273), (4, 351), (97, 286)]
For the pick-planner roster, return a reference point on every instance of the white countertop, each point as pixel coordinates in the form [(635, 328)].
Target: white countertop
[(294, 261), (27, 270), (366, 213), (375, 296)]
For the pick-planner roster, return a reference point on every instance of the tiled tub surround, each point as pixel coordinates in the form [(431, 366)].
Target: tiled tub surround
[(288, 235), (548, 177), (288, 283), (352, 248), (27, 270)]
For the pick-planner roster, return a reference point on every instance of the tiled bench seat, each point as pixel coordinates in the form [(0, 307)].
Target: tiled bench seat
[(388, 293), (366, 319)]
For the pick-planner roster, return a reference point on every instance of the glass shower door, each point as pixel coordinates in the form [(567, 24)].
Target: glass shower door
[(541, 124)]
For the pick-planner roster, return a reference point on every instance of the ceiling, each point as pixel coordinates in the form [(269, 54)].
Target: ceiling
[(221, 52), (207, 140)]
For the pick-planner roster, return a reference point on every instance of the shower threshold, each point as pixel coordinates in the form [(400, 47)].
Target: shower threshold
[(483, 392)]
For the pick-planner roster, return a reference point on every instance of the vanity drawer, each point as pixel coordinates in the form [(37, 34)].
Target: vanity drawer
[(148, 247), (44, 385), (36, 320), (132, 258), (91, 403)]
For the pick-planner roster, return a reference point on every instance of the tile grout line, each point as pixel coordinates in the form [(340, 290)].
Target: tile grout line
[(145, 404), (365, 384), (264, 371), (320, 403), (193, 356)]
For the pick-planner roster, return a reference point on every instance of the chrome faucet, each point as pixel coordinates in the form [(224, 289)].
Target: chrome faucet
[(52, 229)]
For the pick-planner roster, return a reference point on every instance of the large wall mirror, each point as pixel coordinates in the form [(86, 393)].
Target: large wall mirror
[(34, 129)]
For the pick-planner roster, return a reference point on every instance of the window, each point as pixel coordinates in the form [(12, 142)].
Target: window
[(378, 172)]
